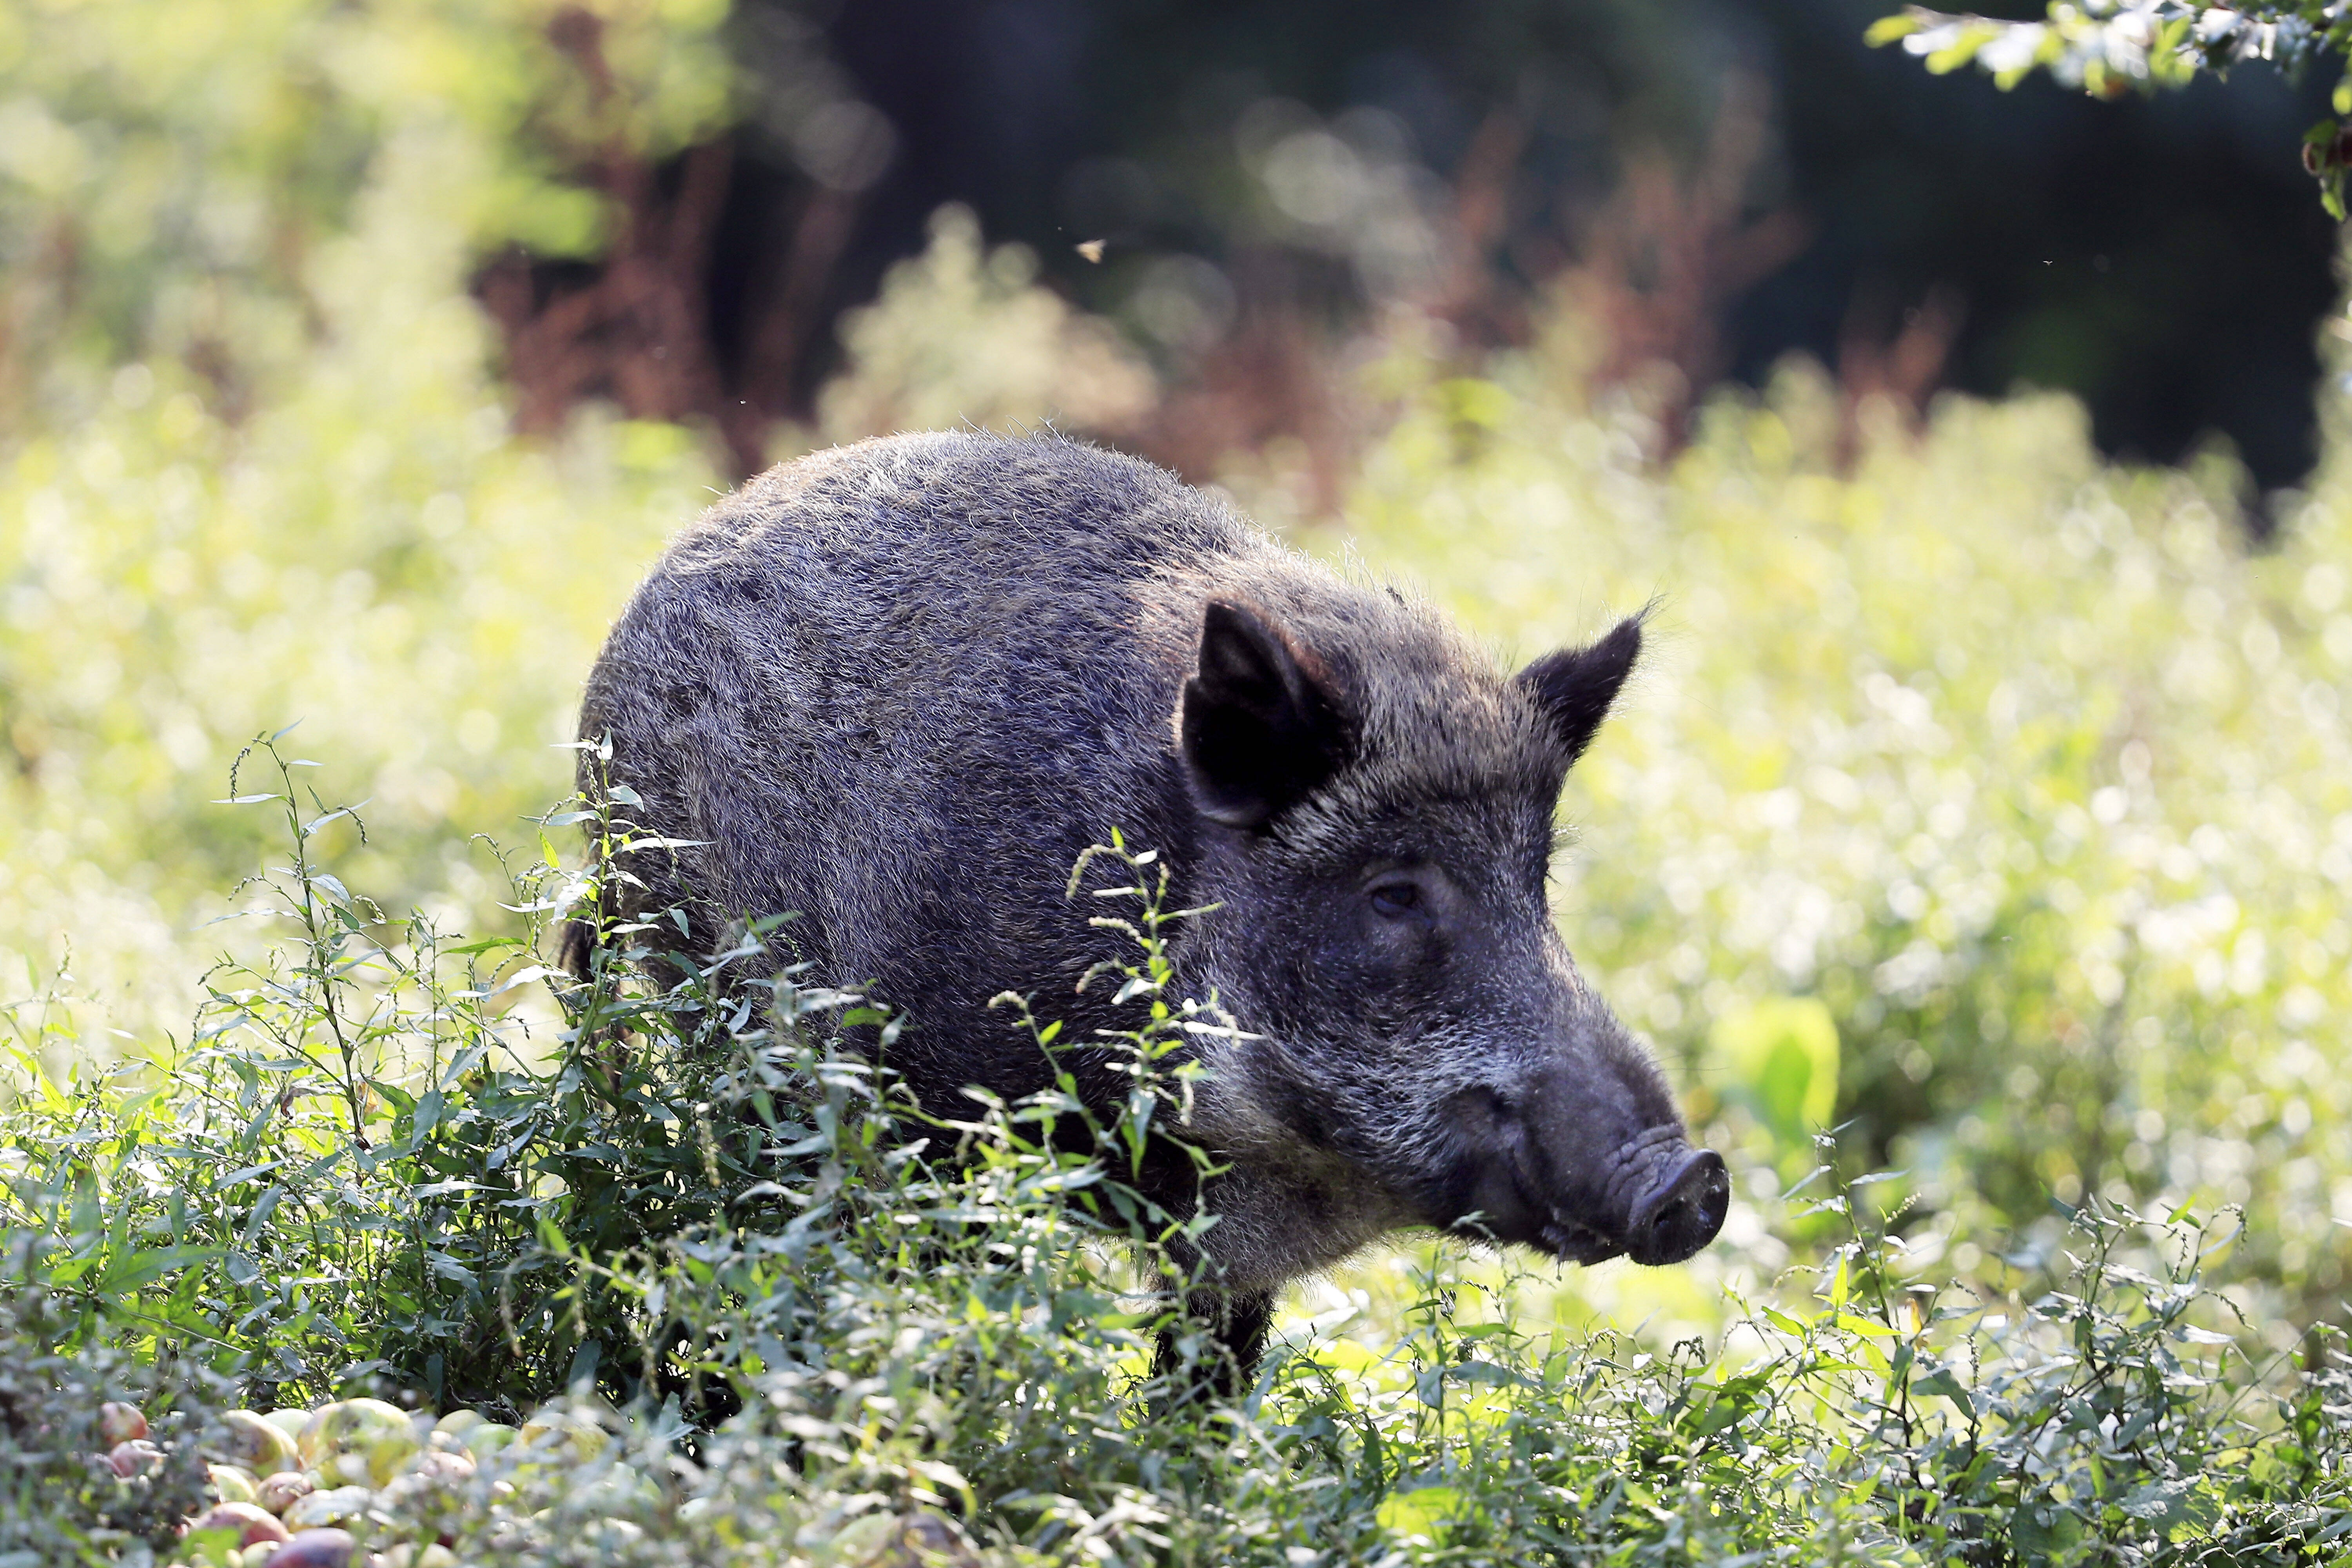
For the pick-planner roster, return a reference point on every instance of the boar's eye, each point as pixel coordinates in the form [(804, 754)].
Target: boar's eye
[(1397, 902)]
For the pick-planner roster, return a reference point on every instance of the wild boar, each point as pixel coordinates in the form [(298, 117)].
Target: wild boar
[(898, 688)]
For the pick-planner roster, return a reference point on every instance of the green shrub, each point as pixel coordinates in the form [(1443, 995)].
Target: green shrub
[(825, 1319)]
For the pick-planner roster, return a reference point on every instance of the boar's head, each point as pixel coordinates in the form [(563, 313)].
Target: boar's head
[(1375, 809)]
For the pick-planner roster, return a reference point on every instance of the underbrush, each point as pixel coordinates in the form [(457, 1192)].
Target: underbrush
[(385, 1162)]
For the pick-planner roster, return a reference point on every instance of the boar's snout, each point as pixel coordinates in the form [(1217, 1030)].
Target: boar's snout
[(1681, 1208), (1543, 1167)]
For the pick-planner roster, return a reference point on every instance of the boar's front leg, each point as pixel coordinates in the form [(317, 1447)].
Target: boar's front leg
[(1237, 1321)]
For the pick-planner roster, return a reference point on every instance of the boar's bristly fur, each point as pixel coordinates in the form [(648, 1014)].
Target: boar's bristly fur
[(898, 688)]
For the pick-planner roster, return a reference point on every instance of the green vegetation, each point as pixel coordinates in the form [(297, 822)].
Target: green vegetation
[(360, 1174), (2109, 48), (2022, 765), (258, 468), (1989, 803)]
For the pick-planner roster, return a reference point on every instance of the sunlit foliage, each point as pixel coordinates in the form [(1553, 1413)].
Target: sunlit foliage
[(819, 1311), (2108, 48), (169, 169), (962, 334), (2025, 766), (257, 470)]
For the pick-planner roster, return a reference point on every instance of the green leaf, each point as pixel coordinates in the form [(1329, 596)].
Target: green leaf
[(1960, 51), (522, 976), (1940, 1381), (135, 1271), (1887, 29), (487, 944), (1782, 1053), (1419, 1512)]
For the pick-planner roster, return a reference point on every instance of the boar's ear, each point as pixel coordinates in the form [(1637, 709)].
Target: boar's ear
[(1257, 729), (1575, 686)]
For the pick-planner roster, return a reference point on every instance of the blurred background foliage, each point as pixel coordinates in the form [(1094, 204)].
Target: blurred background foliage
[(1985, 792), (1729, 182), (257, 467)]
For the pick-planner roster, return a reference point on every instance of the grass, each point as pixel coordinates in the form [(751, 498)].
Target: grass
[(390, 1160)]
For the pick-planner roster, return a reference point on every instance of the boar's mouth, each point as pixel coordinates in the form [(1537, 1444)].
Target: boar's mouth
[(1573, 1242), (1651, 1196)]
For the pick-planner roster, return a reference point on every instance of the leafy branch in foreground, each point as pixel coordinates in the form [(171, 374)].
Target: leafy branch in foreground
[(2108, 48)]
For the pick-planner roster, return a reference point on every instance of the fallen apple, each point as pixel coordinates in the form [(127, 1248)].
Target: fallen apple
[(251, 1442), (315, 1549), (231, 1484), (134, 1457), (359, 1426), (252, 1522), (330, 1507), (281, 1491), (120, 1423)]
